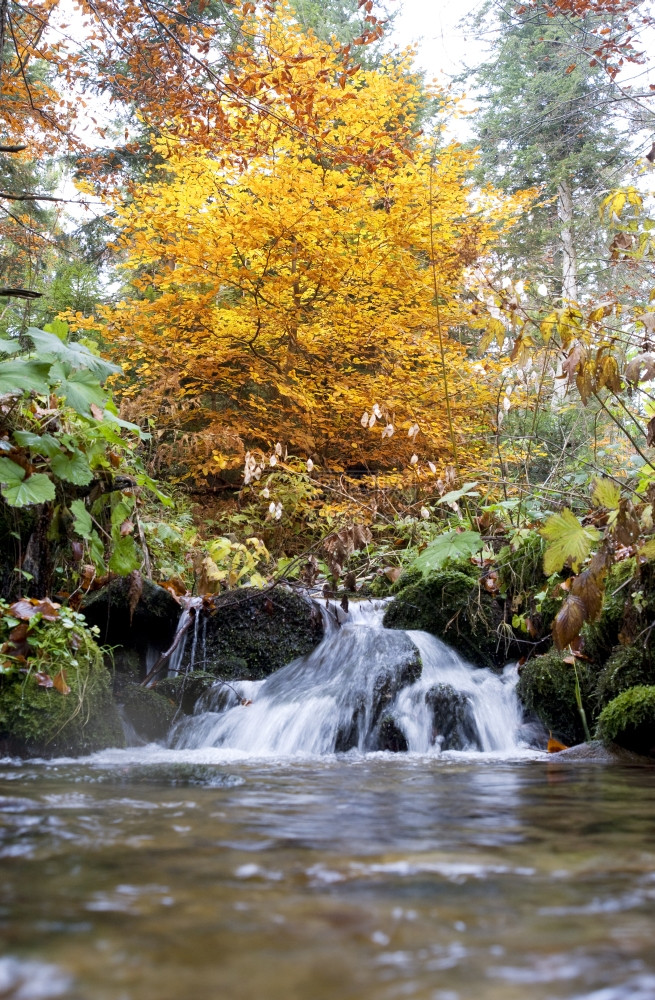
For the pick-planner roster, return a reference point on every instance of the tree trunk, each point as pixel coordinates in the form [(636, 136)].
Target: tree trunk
[(4, 11), (569, 260)]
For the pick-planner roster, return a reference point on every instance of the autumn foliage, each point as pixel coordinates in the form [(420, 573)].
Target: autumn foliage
[(283, 297)]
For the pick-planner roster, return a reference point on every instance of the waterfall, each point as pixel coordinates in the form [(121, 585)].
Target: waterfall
[(364, 687)]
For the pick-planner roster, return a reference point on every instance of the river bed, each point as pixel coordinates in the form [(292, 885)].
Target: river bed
[(153, 874)]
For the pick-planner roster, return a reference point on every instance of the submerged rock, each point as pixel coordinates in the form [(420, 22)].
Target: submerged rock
[(453, 718), (390, 736), (598, 752)]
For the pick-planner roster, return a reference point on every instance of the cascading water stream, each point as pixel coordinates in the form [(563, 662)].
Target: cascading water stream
[(363, 687)]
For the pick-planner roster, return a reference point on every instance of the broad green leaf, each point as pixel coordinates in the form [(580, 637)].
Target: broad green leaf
[(80, 390), (568, 542), (40, 444), (22, 375), (37, 488), (121, 512), (73, 468), (74, 354), (606, 494), (9, 346), (10, 472), (451, 545), (97, 552), (125, 556), (82, 523), (455, 495)]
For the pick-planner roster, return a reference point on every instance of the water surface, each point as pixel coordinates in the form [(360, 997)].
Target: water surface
[(154, 874)]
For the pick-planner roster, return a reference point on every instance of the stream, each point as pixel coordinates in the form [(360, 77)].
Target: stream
[(244, 864)]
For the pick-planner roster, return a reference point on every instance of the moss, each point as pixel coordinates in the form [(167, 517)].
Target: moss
[(149, 713), (627, 667), (520, 568), (547, 688), (629, 720), (451, 605), (185, 689), (40, 721), (263, 630)]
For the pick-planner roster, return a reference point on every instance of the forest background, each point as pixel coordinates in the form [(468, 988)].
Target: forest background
[(274, 322)]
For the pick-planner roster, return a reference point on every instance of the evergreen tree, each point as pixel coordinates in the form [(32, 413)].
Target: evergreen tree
[(544, 123)]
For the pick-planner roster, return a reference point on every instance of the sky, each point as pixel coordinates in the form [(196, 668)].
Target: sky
[(444, 45)]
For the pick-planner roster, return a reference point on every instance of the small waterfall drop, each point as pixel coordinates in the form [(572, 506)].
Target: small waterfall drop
[(363, 687)]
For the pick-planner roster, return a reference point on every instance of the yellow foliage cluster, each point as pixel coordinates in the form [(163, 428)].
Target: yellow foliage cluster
[(287, 296)]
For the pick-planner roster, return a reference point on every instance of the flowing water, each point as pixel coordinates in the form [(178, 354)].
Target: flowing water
[(254, 873)]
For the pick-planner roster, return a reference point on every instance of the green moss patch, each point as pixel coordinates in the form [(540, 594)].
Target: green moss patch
[(451, 605), (547, 688), (629, 720)]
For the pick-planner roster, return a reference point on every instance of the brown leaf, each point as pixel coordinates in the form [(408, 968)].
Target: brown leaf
[(97, 412), (339, 546), (18, 634), (392, 573), (134, 591), (344, 603), (59, 683), (77, 551), (641, 368), (269, 607), (650, 432), (47, 610), (588, 588), (569, 620), (574, 362), (127, 527), (554, 746), (350, 582), (43, 680), (22, 609)]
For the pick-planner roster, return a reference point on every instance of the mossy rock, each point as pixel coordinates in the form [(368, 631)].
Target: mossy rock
[(149, 713), (263, 630), (185, 689), (629, 720), (390, 736), (453, 719), (627, 667), (151, 624), (547, 688), (38, 721), (451, 605)]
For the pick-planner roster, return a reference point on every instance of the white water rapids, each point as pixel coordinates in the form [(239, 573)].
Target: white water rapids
[(367, 688)]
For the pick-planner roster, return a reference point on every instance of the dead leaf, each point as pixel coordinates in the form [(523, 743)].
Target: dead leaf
[(134, 591), (43, 680), (97, 412), (127, 527), (392, 573), (641, 368), (350, 582), (554, 746), (22, 609), (344, 603), (569, 620), (59, 683)]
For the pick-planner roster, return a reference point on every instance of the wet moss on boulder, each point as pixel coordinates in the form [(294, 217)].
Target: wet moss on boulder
[(629, 720), (264, 630), (149, 713), (627, 667), (453, 719), (43, 721), (547, 688), (452, 605), (186, 689)]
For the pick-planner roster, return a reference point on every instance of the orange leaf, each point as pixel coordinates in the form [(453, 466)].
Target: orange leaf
[(554, 746), (59, 683)]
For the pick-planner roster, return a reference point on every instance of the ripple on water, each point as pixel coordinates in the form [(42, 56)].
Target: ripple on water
[(22, 979)]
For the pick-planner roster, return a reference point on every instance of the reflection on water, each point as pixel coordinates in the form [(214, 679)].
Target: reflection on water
[(152, 874)]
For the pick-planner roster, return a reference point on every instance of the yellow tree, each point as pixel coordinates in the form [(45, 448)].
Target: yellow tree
[(310, 295)]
